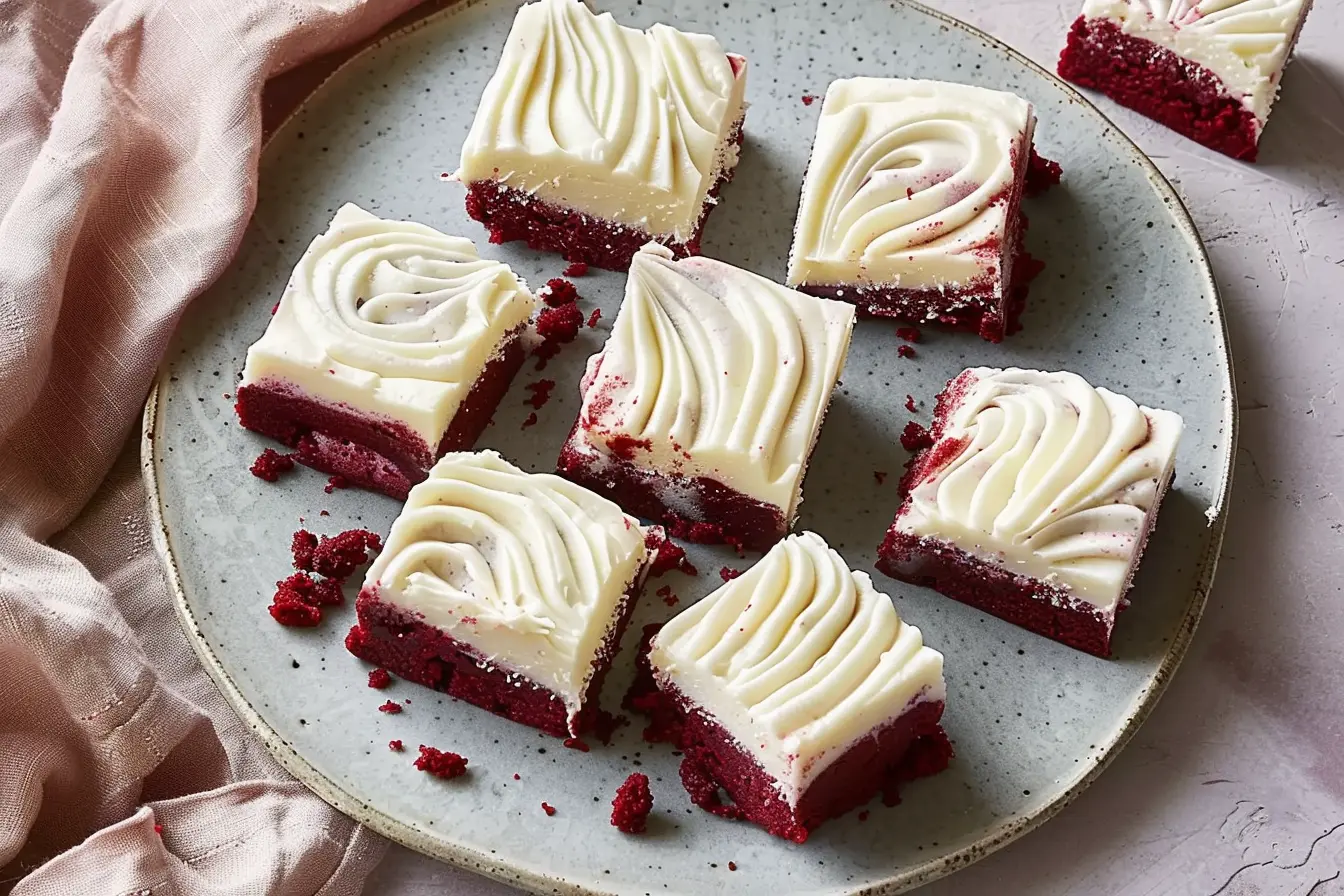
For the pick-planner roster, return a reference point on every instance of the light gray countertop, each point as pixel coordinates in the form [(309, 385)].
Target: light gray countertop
[(1235, 785)]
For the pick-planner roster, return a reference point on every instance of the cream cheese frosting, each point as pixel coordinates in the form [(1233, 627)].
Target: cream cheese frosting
[(714, 371), (625, 125), (392, 318), (909, 183), (798, 658), (528, 569), (1244, 42), (1055, 479)]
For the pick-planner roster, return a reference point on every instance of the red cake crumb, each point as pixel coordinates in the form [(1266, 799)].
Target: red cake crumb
[(302, 546), (668, 555), (541, 393), (324, 513), (517, 777), (879, 476), (575, 743), (558, 292), (270, 465), (576, 269), (909, 334), (530, 421), (914, 437), (339, 556), (275, 308), (910, 404), (594, 318), (391, 707), (728, 573), (335, 482), (666, 594), (732, 866), (905, 351), (630, 810), (441, 764), (158, 829), (1042, 174), (808, 99), (288, 610), (379, 679), (548, 808), (624, 446), (316, 593), (396, 746)]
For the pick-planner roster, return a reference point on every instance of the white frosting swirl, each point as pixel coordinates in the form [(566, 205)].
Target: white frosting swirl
[(390, 317), (1055, 479), (1244, 42), (909, 183), (721, 372), (797, 659), (622, 124), (527, 568)]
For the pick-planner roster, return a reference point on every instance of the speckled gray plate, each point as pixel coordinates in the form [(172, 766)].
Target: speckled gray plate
[(1127, 300)]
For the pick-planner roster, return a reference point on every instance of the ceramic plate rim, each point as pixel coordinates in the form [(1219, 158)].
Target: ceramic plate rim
[(997, 836)]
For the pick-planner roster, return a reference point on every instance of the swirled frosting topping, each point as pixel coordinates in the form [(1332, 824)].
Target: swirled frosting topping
[(1244, 42), (714, 371), (527, 568), (391, 317), (909, 184), (798, 658), (622, 124), (1048, 476)]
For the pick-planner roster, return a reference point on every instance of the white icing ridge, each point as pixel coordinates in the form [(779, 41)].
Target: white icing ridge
[(391, 318), (724, 373), (527, 568), (909, 185), (625, 125), (1058, 480), (1244, 42), (798, 658)]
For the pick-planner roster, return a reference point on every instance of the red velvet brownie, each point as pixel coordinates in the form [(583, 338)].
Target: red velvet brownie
[(506, 589), (391, 345), (592, 138), (801, 690), (1209, 69), (703, 408), (911, 202), (1033, 500)]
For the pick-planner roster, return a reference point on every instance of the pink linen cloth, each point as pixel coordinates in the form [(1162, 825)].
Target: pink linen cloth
[(130, 132)]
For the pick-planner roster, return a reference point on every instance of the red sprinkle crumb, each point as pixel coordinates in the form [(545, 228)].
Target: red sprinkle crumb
[(541, 393), (559, 292), (441, 764), (909, 334), (905, 351), (302, 545), (335, 482), (630, 810), (560, 324), (391, 707), (530, 421), (863, 816), (666, 594), (379, 679), (910, 404), (576, 269), (732, 866), (808, 99), (728, 573), (594, 317), (575, 743), (548, 808), (158, 829), (270, 465), (339, 556), (396, 746), (880, 476)]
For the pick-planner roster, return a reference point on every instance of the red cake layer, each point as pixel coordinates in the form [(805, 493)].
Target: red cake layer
[(1168, 88), (396, 640), (372, 451), (641, 492), (516, 215), (714, 760), (989, 305)]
